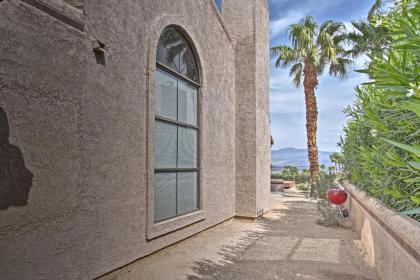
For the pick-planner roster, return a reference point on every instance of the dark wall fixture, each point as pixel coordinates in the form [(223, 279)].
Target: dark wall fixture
[(15, 178), (99, 52)]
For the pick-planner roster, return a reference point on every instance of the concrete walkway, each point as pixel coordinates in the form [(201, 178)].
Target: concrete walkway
[(285, 244)]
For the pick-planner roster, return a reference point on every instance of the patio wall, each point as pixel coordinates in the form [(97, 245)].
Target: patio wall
[(391, 241)]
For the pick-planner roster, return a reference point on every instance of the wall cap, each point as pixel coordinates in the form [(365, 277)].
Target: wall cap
[(407, 230)]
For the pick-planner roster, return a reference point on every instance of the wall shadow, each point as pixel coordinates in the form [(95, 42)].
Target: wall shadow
[(15, 178), (231, 265)]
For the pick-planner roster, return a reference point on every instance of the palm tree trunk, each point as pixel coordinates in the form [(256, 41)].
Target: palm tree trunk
[(310, 82)]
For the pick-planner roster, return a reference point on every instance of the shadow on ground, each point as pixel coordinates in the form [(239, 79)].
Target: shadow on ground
[(289, 246)]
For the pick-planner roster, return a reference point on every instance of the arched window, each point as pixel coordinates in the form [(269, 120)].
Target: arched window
[(176, 190)]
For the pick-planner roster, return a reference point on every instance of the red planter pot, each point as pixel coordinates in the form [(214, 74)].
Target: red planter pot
[(336, 196)]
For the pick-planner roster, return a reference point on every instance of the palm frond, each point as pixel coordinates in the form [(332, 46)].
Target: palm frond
[(331, 40), (367, 38), (302, 34), (286, 55), (340, 68), (320, 47), (374, 9), (296, 72)]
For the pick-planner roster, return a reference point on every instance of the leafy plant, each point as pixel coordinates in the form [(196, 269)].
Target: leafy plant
[(302, 187), (292, 173), (381, 143)]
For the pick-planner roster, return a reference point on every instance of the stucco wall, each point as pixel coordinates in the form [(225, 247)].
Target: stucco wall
[(82, 130), (75, 3), (263, 132), (238, 16), (391, 241), (247, 20)]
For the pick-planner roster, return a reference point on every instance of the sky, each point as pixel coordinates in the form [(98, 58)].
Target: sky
[(287, 103)]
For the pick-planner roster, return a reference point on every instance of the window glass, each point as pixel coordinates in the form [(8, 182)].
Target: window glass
[(175, 52), (166, 95), (187, 103), (187, 147), (165, 145), (165, 196), (187, 192)]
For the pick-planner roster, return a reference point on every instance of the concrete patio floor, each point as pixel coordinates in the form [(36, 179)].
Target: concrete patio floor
[(285, 244)]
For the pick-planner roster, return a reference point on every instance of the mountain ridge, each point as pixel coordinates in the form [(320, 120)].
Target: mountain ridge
[(296, 157)]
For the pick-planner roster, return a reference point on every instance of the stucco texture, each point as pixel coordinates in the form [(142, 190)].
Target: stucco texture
[(247, 20), (82, 128), (383, 233)]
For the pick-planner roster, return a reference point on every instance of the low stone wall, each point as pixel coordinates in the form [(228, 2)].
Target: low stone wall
[(289, 184), (391, 241), (277, 185)]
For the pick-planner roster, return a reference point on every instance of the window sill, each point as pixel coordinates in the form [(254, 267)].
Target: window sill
[(174, 224)]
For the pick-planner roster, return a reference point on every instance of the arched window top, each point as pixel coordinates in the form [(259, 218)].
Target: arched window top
[(175, 52)]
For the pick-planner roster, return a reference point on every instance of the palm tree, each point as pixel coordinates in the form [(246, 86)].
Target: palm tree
[(378, 9), (312, 50), (368, 38), (338, 160)]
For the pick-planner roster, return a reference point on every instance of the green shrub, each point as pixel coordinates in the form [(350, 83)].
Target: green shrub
[(292, 173), (381, 142), (325, 182), (302, 186)]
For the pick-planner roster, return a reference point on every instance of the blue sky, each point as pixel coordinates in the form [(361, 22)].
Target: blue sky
[(333, 95)]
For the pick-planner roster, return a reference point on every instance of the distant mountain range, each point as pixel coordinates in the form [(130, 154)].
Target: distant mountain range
[(296, 157)]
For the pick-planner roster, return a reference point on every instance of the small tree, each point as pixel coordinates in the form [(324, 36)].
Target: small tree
[(338, 160)]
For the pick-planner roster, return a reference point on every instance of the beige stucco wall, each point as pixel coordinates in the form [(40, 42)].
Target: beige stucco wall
[(263, 132), (84, 132), (247, 21), (391, 241)]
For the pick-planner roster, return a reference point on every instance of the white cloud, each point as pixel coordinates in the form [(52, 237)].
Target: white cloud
[(281, 25)]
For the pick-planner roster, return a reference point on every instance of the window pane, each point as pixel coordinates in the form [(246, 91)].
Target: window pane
[(170, 46), (175, 52), (187, 64), (165, 95), (187, 192), (165, 196), (187, 147), (165, 145), (187, 103)]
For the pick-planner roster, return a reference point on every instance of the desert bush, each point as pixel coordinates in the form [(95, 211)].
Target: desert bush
[(302, 187), (291, 173), (327, 212)]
